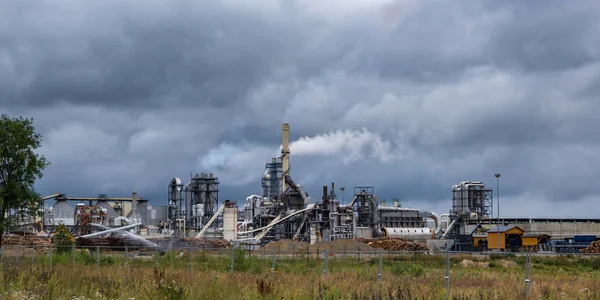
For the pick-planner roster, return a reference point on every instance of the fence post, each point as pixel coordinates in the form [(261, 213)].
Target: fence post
[(325, 267), (273, 269), (190, 255), (232, 257), (307, 254), (447, 273), (157, 256), (126, 255), (73, 253), (527, 273), (97, 256), (50, 257), (379, 275)]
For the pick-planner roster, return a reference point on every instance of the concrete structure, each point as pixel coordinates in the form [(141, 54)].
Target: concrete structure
[(230, 217)]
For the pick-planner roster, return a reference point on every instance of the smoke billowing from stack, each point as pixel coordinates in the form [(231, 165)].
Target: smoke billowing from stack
[(351, 145)]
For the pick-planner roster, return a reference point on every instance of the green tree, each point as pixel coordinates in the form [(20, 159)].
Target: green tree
[(20, 167)]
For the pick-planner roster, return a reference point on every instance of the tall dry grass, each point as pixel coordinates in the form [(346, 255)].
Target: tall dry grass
[(403, 277)]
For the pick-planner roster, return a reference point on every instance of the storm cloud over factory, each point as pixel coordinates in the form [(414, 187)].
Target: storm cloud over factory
[(407, 97)]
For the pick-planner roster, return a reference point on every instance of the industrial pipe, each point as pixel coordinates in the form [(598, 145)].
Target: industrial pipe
[(110, 230), (282, 220), (298, 188), (450, 227), (132, 235), (438, 223), (392, 208), (409, 234)]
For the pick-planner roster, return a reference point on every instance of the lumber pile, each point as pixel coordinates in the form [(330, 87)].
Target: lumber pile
[(594, 247), (391, 244), (27, 240)]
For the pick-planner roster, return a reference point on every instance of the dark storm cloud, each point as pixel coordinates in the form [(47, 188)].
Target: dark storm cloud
[(189, 56), (410, 97)]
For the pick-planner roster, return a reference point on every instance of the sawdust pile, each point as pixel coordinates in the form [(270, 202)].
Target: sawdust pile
[(335, 246), (205, 243), (286, 245), (478, 264), (349, 245), (352, 245), (391, 244)]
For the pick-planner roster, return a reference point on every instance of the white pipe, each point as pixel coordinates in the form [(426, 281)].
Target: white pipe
[(409, 234), (438, 223), (270, 225), (136, 237), (449, 228), (214, 217), (110, 230), (264, 232)]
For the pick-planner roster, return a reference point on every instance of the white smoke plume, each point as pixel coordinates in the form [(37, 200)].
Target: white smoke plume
[(350, 145)]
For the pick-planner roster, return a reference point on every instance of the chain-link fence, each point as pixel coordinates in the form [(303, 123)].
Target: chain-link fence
[(265, 261)]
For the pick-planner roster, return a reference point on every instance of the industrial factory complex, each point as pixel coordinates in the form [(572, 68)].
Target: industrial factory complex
[(193, 209)]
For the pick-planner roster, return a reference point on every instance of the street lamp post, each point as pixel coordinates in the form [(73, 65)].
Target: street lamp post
[(498, 206), (342, 189)]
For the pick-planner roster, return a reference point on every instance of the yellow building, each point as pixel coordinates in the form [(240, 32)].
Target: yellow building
[(507, 235), (531, 241)]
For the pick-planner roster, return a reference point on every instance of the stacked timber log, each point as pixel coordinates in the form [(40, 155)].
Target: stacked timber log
[(27, 240), (391, 244), (594, 247)]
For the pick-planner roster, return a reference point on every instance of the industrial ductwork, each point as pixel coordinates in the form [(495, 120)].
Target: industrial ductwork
[(298, 188)]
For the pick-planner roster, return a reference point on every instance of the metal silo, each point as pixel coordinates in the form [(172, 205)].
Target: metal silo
[(63, 213)]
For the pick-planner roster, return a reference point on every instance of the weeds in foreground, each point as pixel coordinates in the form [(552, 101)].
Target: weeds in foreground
[(264, 287), (167, 286), (209, 277)]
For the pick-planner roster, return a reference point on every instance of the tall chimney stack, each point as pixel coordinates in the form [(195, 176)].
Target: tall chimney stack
[(285, 153)]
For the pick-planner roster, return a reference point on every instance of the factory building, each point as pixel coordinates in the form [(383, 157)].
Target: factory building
[(283, 210)]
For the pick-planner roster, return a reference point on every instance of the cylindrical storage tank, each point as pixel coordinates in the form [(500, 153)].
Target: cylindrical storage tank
[(230, 216), (364, 232), (409, 234)]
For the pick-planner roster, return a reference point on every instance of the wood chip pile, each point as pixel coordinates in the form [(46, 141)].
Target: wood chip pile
[(594, 247), (391, 244), (205, 243), (102, 242), (27, 240)]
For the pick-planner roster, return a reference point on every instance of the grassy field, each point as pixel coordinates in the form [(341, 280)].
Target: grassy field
[(83, 276)]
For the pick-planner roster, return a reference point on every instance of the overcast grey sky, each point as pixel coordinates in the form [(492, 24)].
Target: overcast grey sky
[(410, 97)]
